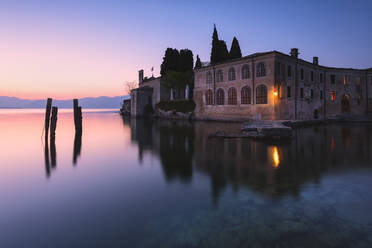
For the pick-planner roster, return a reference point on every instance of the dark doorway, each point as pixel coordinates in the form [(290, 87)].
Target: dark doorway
[(345, 104)]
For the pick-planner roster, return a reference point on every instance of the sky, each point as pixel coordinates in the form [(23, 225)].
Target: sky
[(65, 49)]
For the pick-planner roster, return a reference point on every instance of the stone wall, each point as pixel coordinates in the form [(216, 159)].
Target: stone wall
[(301, 92)]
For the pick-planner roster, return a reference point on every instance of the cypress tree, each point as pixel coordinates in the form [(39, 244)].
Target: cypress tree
[(235, 51), (223, 53), (214, 52), (198, 63)]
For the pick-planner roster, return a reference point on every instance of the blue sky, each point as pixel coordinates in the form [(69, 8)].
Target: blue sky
[(97, 45)]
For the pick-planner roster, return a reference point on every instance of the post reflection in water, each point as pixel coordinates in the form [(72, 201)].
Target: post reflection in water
[(77, 147), (271, 169), (50, 159)]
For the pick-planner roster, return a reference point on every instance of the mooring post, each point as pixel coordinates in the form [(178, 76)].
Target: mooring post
[(77, 116), (53, 126), (47, 116), (53, 123)]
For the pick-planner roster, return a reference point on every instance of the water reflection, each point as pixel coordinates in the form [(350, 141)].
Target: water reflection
[(270, 169), (77, 147), (50, 156)]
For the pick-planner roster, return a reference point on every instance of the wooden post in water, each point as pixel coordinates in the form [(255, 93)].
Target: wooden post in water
[(53, 126), (77, 116), (47, 116)]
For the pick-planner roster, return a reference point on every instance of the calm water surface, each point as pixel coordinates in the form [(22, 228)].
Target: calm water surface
[(137, 183)]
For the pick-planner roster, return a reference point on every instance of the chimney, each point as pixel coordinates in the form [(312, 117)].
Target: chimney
[(315, 60), (294, 52), (140, 76)]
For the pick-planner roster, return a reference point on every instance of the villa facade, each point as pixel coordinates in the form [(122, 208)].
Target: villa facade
[(277, 86)]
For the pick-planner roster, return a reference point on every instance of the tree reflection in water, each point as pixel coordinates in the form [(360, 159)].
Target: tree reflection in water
[(270, 168)]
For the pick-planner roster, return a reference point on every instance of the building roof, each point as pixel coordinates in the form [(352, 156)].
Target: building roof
[(253, 55)]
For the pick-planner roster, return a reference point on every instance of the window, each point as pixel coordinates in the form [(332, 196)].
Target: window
[(209, 78), (321, 77), (231, 75), (220, 99), (289, 91), (246, 95), (289, 71), (245, 72), (231, 96), (333, 96), (261, 70), (321, 95), (219, 77), (302, 74), (261, 94), (345, 79), (333, 79), (312, 76), (302, 92), (209, 97), (312, 94), (279, 68)]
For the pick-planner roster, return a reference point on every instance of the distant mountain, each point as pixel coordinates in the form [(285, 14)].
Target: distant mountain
[(87, 102)]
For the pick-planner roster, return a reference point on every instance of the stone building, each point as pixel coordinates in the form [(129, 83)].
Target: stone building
[(274, 85), (150, 91)]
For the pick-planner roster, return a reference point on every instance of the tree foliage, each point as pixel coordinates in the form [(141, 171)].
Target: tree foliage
[(177, 68), (235, 51), (198, 63), (219, 52)]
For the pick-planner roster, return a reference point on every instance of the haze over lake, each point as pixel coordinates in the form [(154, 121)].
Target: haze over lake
[(141, 183)]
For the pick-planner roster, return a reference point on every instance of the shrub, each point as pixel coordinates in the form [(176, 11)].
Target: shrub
[(183, 106)]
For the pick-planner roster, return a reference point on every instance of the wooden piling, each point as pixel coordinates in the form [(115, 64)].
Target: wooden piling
[(53, 123), (47, 116), (77, 116)]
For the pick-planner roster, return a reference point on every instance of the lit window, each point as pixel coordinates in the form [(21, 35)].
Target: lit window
[(333, 96)]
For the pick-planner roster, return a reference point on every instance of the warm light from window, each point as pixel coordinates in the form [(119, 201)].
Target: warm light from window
[(276, 157), (333, 96)]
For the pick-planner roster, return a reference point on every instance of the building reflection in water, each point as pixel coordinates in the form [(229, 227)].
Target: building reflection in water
[(272, 169)]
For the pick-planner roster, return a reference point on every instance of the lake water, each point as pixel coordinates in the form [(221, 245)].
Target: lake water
[(138, 183)]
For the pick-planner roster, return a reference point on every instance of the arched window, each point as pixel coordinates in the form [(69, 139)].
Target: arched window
[(209, 97), (246, 95), (245, 72), (219, 77), (261, 94), (261, 70), (231, 74), (231, 96), (209, 78), (220, 98)]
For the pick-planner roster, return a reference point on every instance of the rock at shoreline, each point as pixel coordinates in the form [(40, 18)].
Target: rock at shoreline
[(259, 130)]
